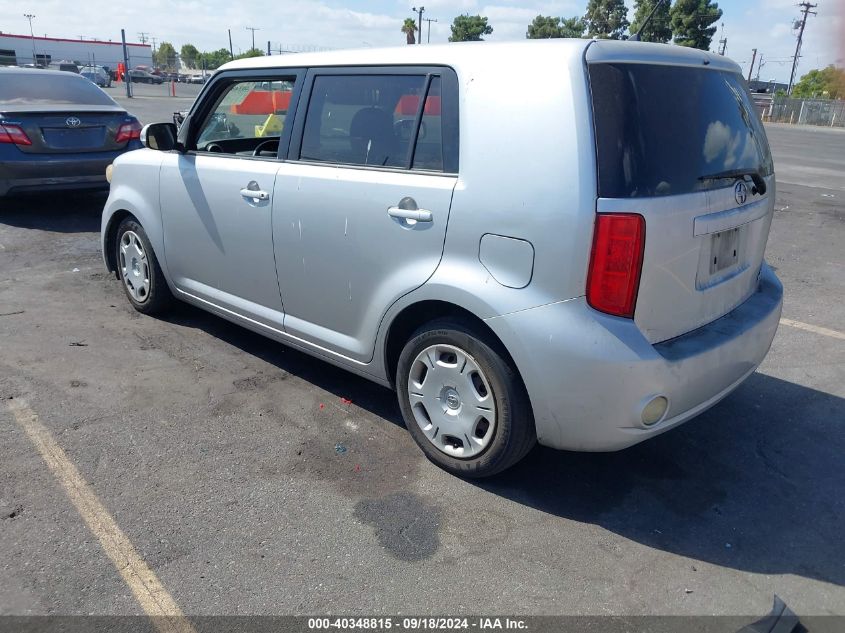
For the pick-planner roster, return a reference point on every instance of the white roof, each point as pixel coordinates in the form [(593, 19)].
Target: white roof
[(456, 54)]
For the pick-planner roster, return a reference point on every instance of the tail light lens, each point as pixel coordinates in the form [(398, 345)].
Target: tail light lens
[(13, 134), (616, 263), (128, 132)]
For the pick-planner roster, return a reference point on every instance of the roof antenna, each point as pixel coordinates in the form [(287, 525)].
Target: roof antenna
[(636, 36)]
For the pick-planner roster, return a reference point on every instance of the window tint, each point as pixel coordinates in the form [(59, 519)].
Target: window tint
[(659, 129), (33, 88), (370, 120), (247, 114)]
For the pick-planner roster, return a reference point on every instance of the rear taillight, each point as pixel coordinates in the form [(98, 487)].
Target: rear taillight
[(13, 134), (616, 263), (128, 132)]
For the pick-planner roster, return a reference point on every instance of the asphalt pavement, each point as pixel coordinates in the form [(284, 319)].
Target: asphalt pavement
[(252, 479)]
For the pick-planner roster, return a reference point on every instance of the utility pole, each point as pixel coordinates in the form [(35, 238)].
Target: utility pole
[(760, 65), (753, 57), (231, 50), (429, 20), (421, 10), (30, 17), (805, 6), (723, 43), (253, 29), (143, 37), (127, 76)]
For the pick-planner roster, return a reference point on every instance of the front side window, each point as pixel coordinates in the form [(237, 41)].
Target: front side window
[(374, 120), (247, 119)]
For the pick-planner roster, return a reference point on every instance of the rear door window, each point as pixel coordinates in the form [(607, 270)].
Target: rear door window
[(375, 120), (661, 129)]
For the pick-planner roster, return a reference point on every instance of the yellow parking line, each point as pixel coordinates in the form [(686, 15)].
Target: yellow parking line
[(156, 602), (813, 328)]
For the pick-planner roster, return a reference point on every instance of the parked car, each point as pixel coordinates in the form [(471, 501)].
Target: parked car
[(97, 74), (198, 79), (58, 131), (602, 278), (99, 78), (143, 77), (66, 66)]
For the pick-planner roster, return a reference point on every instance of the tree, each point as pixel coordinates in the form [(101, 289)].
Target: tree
[(660, 27), (190, 55), (252, 52), (691, 20), (469, 28), (212, 60), (545, 27), (606, 19), (408, 28), (165, 56), (827, 83), (572, 27)]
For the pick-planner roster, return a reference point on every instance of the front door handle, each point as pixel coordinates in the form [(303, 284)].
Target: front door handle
[(255, 194), (418, 215)]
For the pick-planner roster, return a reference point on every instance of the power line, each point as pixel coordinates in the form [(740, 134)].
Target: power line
[(429, 20), (806, 6), (253, 29)]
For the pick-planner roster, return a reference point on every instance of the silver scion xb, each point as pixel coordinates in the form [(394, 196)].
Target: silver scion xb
[(552, 241)]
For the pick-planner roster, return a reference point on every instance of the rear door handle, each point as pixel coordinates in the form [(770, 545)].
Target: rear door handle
[(255, 194), (419, 215)]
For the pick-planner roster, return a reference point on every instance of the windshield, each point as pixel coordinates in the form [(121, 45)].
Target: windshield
[(660, 129), (32, 88)]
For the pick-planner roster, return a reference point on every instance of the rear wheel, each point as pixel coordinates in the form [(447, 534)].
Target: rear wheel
[(138, 268), (462, 401)]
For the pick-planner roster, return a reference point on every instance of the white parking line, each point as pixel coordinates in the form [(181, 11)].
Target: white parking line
[(156, 602), (813, 328)]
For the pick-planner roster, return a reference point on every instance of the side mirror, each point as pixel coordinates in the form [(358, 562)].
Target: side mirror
[(160, 136)]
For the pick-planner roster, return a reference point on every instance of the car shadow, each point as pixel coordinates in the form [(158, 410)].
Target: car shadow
[(754, 484), (66, 212), (364, 393)]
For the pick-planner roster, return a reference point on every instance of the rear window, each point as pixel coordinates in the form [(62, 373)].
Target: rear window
[(50, 89), (660, 129)]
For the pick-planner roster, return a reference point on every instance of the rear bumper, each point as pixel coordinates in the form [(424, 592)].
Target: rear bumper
[(28, 173), (589, 375)]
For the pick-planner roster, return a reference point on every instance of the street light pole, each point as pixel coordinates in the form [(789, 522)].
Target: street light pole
[(30, 16), (419, 24)]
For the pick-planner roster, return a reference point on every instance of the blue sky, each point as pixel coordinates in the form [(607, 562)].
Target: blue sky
[(762, 24)]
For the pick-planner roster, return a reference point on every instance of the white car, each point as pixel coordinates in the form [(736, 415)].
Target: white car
[(557, 241)]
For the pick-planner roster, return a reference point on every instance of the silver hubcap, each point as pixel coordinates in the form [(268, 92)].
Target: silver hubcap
[(134, 266), (452, 401)]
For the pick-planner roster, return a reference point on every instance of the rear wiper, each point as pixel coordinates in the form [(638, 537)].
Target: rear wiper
[(759, 182)]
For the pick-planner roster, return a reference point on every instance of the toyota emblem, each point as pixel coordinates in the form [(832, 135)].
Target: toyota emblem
[(73, 121), (740, 192)]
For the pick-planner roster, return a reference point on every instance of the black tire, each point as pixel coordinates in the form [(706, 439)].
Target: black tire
[(159, 297), (514, 432)]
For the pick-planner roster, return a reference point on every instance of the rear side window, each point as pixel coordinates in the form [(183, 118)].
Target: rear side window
[(661, 129), (374, 120), (50, 89)]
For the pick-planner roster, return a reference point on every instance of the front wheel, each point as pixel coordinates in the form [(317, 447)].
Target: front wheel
[(462, 401), (138, 268)]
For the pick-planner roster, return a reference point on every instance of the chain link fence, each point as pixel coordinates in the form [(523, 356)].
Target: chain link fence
[(826, 112)]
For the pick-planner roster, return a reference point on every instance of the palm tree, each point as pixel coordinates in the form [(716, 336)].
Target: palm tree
[(408, 29)]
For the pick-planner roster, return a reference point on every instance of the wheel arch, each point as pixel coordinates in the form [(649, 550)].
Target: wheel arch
[(110, 234), (417, 314)]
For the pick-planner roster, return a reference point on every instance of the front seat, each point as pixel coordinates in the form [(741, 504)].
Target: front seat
[(372, 138)]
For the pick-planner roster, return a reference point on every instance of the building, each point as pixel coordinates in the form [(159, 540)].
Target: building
[(19, 50)]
